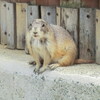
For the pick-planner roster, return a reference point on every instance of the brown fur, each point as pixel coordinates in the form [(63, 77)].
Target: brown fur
[(83, 61), (52, 44)]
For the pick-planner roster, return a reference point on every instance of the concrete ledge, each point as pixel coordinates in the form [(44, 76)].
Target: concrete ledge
[(18, 82)]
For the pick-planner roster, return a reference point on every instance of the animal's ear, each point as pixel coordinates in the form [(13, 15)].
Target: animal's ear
[(30, 27)]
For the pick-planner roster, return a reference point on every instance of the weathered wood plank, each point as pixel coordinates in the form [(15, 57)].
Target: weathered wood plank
[(69, 21), (38, 2), (90, 3), (26, 1), (99, 3), (48, 2), (21, 1), (3, 23), (32, 13), (98, 36), (0, 21), (48, 14), (70, 3), (21, 24), (10, 26), (58, 12), (87, 33)]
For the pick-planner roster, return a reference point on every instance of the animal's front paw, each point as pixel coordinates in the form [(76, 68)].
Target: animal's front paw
[(54, 66), (41, 70), (32, 62), (36, 69)]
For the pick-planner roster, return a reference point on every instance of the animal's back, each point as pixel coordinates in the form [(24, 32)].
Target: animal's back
[(65, 46), (63, 37)]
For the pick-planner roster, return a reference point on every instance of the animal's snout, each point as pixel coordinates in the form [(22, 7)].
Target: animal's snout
[(35, 33)]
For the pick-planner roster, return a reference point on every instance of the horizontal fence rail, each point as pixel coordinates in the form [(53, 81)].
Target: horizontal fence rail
[(82, 24), (65, 3)]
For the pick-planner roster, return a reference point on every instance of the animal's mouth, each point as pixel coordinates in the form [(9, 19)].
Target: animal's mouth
[(35, 35)]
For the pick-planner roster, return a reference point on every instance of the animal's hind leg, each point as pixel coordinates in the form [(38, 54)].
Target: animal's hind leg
[(64, 61)]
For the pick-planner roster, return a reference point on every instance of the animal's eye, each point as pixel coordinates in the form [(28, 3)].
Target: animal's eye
[(43, 25)]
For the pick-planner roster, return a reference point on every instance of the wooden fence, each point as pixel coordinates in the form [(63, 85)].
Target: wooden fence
[(83, 25)]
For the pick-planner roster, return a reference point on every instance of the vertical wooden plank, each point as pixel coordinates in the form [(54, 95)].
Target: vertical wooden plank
[(21, 25), (58, 12), (0, 21), (10, 26), (87, 33), (70, 3), (98, 36), (69, 21), (3, 23), (32, 13), (48, 14)]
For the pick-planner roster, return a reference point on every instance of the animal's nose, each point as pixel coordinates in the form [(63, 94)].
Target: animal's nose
[(35, 32)]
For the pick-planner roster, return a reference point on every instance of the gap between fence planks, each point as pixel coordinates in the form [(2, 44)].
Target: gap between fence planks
[(87, 33), (98, 36)]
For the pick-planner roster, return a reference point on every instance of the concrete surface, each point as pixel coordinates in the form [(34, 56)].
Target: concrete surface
[(18, 82)]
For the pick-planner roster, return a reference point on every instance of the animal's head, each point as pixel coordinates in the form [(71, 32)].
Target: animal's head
[(39, 28)]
